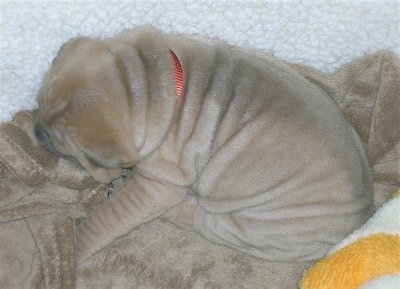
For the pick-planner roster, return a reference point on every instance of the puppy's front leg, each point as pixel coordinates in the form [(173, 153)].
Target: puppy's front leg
[(142, 200)]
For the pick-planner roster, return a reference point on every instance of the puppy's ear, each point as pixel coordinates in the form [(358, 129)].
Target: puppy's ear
[(53, 104), (50, 107)]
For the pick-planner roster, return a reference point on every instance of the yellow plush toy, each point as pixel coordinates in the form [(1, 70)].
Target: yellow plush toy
[(368, 259)]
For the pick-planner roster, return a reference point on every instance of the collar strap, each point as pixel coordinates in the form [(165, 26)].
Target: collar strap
[(178, 76)]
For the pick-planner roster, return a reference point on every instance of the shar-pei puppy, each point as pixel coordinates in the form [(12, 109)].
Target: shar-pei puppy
[(227, 142)]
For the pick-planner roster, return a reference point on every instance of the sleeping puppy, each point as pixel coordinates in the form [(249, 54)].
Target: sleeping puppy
[(230, 143)]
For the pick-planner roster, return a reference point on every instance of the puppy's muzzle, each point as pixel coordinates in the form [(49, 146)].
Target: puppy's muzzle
[(44, 138)]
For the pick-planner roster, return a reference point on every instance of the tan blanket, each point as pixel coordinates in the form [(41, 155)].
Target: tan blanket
[(43, 198)]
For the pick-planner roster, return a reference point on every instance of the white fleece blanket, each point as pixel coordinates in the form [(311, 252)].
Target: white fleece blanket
[(323, 34)]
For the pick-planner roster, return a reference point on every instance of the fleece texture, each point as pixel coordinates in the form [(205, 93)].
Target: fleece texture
[(322, 34)]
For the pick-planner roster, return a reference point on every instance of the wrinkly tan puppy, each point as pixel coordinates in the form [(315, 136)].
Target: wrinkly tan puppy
[(234, 145)]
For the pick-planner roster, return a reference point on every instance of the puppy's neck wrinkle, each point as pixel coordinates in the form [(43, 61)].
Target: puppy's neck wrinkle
[(148, 71)]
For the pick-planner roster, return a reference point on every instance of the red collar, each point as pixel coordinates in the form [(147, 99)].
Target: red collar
[(178, 77)]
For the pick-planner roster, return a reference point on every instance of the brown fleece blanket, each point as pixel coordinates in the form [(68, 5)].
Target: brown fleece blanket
[(43, 198)]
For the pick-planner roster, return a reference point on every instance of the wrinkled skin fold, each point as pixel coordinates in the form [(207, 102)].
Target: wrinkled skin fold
[(254, 157)]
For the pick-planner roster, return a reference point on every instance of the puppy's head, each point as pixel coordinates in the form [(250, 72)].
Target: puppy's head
[(84, 110)]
